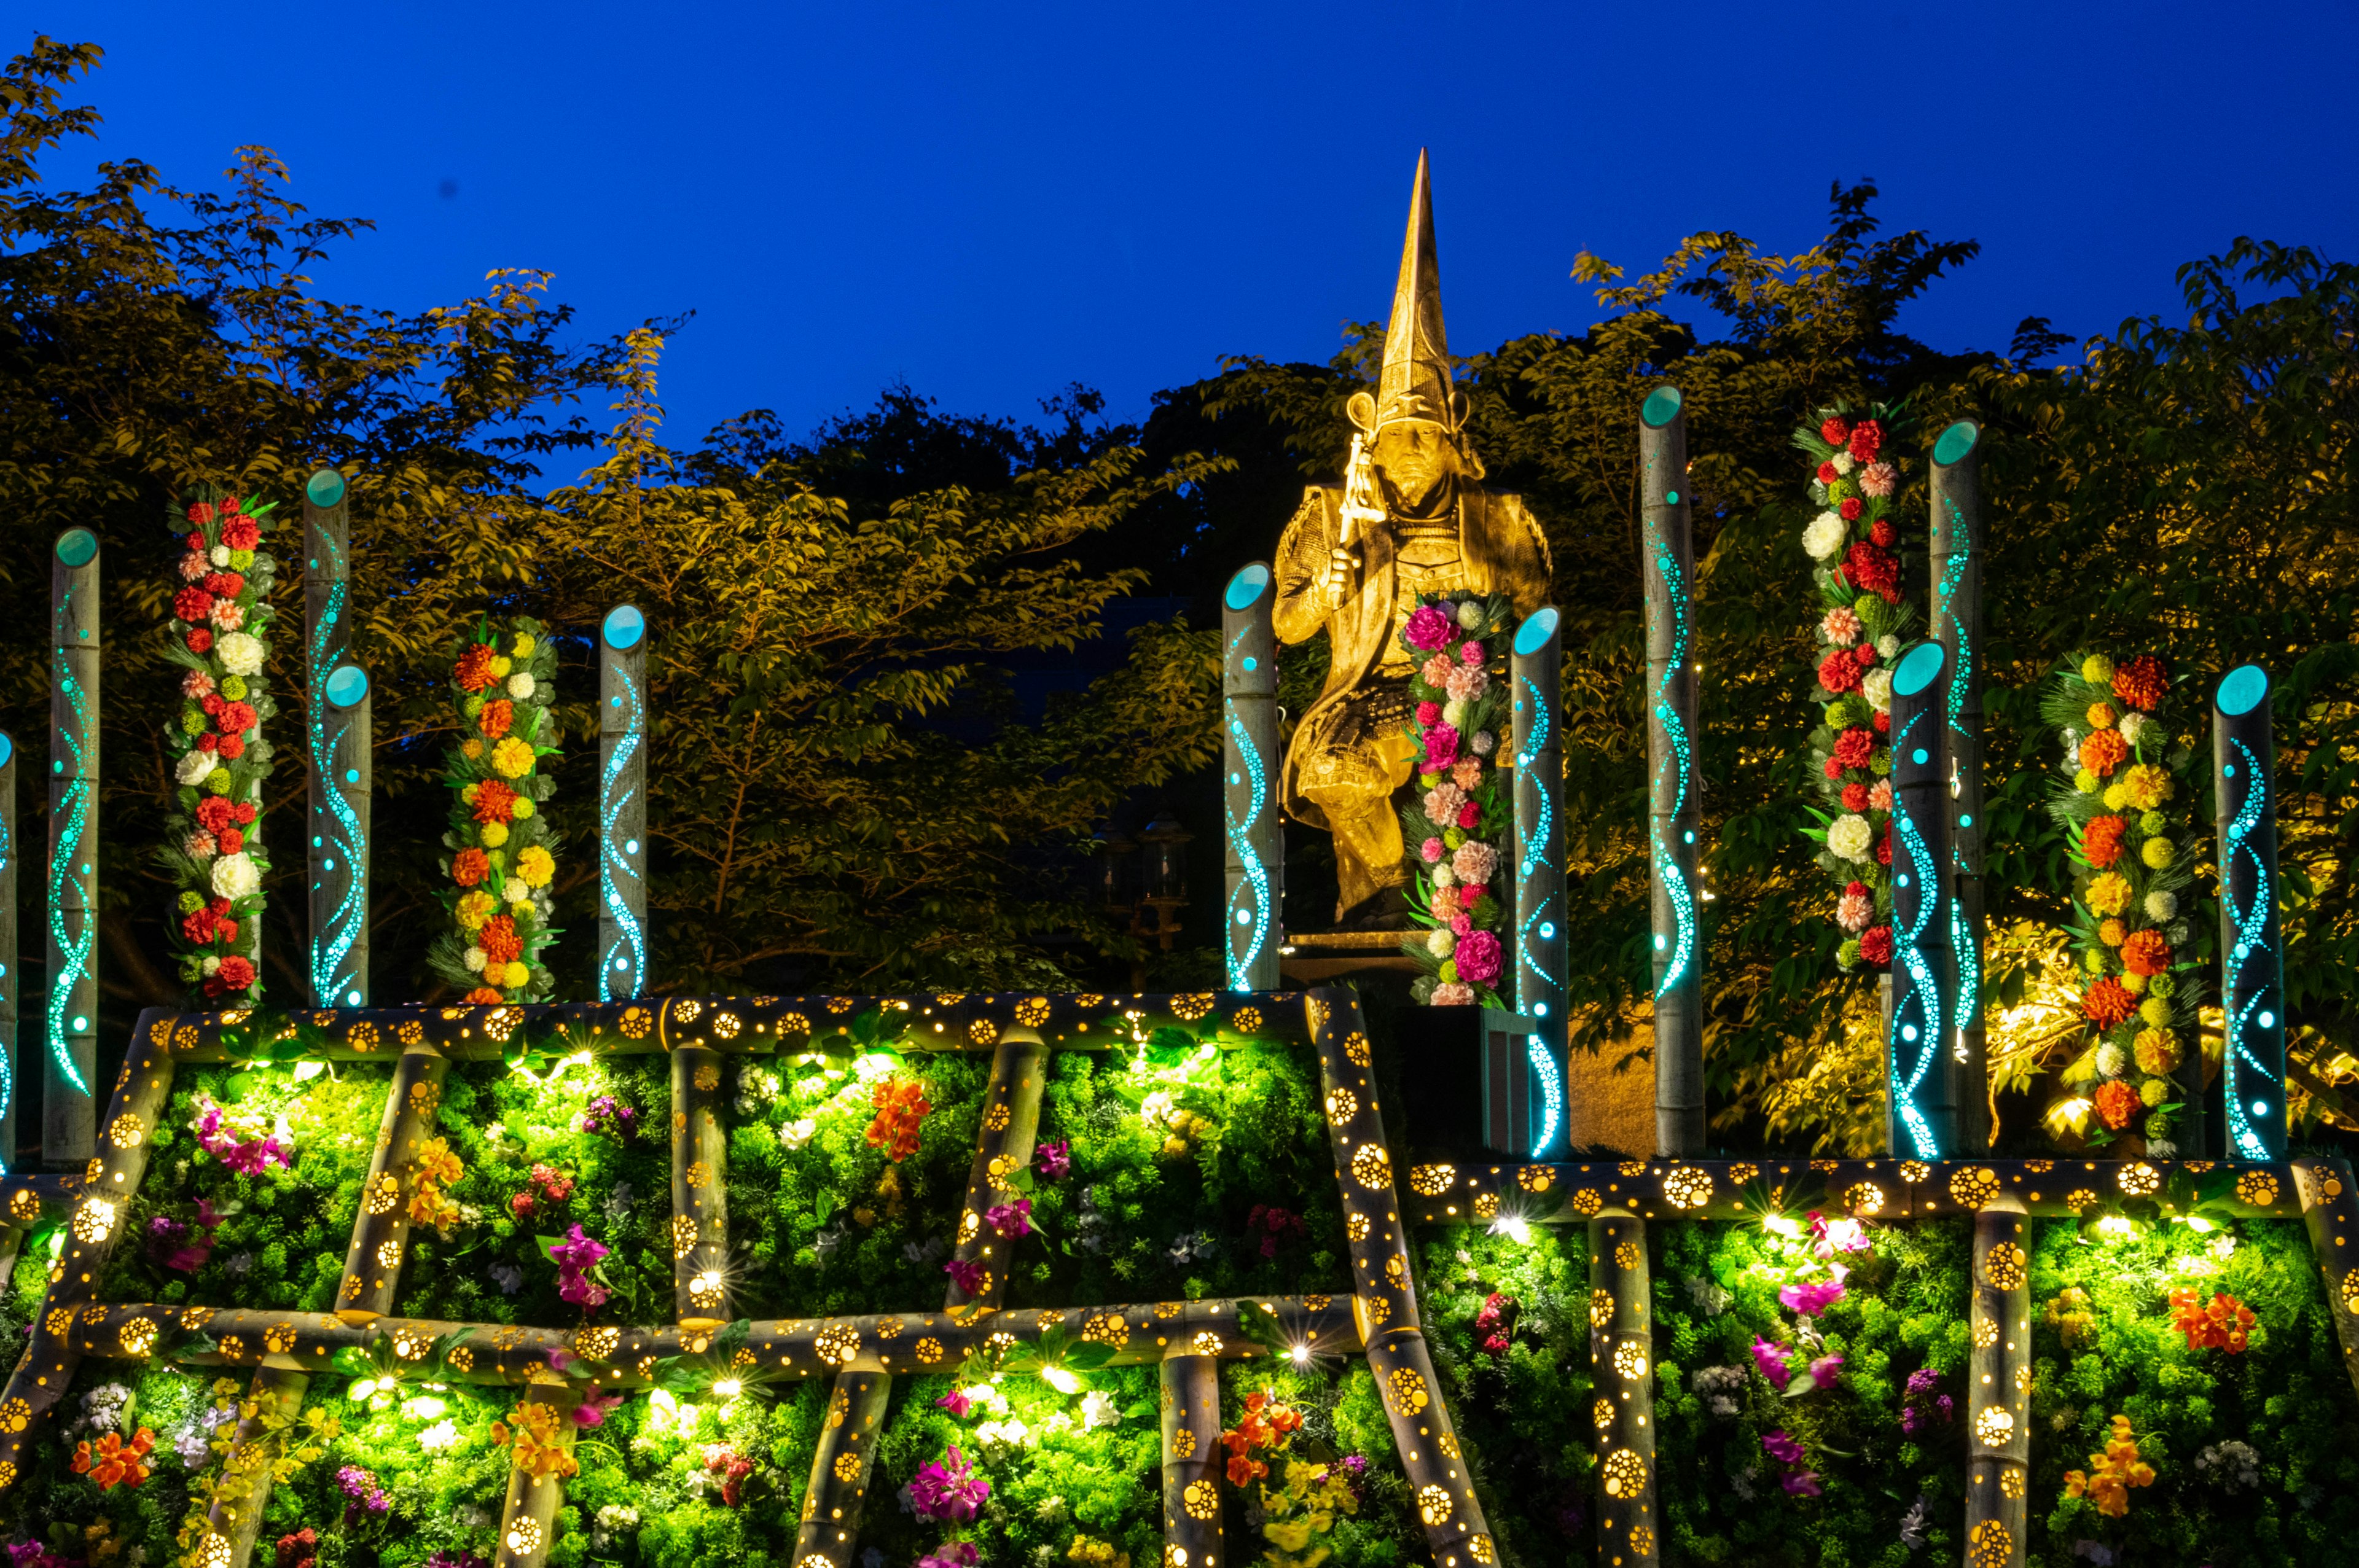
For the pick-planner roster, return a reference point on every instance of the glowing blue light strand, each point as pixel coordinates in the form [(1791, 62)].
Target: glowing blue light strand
[(7, 1066), (1968, 1005), (1256, 883), (1944, 599), (1909, 951), (1537, 843), (75, 953), (2252, 922), (631, 933), (1667, 866), (329, 949)]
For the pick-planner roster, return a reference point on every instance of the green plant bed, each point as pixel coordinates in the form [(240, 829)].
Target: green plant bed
[(283, 1229), (505, 1126), (54, 1505), (425, 1450)]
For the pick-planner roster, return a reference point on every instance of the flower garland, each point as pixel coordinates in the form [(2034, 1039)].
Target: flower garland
[(501, 862), (2133, 861), (219, 637), (1862, 624), (1455, 829)]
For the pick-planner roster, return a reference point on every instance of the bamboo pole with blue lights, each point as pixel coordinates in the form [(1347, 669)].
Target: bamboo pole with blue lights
[(70, 1025), (622, 803), (2252, 974), (337, 740), (1922, 1109), (1533, 673), (1957, 563), (1255, 844), (1668, 561)]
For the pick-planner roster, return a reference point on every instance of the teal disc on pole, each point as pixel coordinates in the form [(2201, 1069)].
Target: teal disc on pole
[(1919, 669), (1247, 587), (1956, 442), (1662, 407), (325, 488), (2243, 689), (1536, 629), (7, 747), (625, 626), (347, 683), (76, 547)]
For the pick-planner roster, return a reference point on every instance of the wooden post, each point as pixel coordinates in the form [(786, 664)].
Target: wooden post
[(2252, 972), (1667, 560), (1957, 564), (235, 1517), (10, 967), (1384, 1306), (69, 1096), (1998, 1386), (1622, 1374), (2330, 1212), (381, 1229), (1921, 1114), (1533, 675), (1256, 860), (699, 1194), (622, 803), (528, 1518), (1191, 1459), (341, 775)]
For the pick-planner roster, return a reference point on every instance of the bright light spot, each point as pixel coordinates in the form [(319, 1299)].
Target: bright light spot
[(440, 1435), (1062, 1380), (875, 1064), (362, 1390), (1514, 1227), (2198, 1223), (2117, 1227), (425, 1408), (1782, 1226), (305, 1070), (1300, 1354), (351, 999), (728, 1387)]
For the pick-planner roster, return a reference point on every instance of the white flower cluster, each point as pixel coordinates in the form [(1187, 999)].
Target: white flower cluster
[(2235, 1466), (1850, 838), (1718, 1387), (1826, 535)]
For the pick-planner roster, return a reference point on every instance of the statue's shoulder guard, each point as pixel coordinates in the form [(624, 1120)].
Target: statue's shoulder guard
[(1313, 523), (1302, 555), (1520, 547)]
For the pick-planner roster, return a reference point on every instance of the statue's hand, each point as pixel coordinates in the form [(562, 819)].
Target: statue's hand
[(1340, 567)]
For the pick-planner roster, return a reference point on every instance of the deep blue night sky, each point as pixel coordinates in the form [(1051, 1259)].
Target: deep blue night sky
[(991, 201)]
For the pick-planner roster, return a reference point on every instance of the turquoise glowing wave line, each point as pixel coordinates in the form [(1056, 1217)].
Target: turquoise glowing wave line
[(1542, 723), (329, 952), (1962, 655), (1667, 866), (610, 893), (1967, 1009), (1256, 883), (2252, 922), (73, 956), (7, 1067), (1923, 984)]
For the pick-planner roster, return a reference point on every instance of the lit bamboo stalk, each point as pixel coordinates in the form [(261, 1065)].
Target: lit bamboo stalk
[(1999, 1388), (529, 1518), (1675, 794), (622, 803), (1385, 1309), (2330, 1212), (1921, 1113), (700, 1201), (235, 1517), (69, 1070), (10, 855), (1534, 672), (1192, 1460), (1256, 863), (842, 1466), (1957, 566), (343, 775), (381, 1229), (2252, 974), (1621, 1372)]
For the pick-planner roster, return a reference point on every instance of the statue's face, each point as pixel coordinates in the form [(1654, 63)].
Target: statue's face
[(1411, 458)]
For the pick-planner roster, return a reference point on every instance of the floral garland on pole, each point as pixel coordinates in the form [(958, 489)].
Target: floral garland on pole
[(219, 637), (1863, 621), (502, 859), (2124, 762), (1454, 827)]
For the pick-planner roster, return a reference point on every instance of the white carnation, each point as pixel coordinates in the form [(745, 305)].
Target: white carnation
[(473, 958), (1850, 838), (1484, 742), (234, 876), (1826, 535), (1876, 687), (520, 686), (2133, 725), (1442, 875), (515, 890), (2161, 907), (219, 554), (1453, 714), (1844, 462), (240, 652), (1887, 646), (212, 965), (193, 767), (795, 1134), (1441, 942)]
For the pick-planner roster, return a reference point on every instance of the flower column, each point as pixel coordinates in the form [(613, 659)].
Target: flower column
[(1255, 841), (69, 1098), (1999, 1388), (1958, 627), (1191, 1450), (1621, 1345), (2252, 975), (1668, 563)]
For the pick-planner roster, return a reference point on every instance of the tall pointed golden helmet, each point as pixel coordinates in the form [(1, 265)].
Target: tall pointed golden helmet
[(1414, 382)]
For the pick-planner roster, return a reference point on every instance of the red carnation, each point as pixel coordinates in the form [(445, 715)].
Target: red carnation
[(242, 534), (229, 505), (499, 941), (1839, 672), (201, 513), (1852, 507), (1834, 769), (1866, 438), (1875, 944), (1883, 850), (1834, 432), (200, 639), (196, 930), (1469, 815), (225, 585), (1826, 475), (1873, 568), (208, 741), (216, 814), (236, 718), (232, 841), (232, 747), (1883, 723), (192, 604), (196, 541), (1866, 656), (213, 702), (245, 812), (2106, 1003), (235, 974), (1854, 797), (1855, 890), (1852, 747), (1881, 532)]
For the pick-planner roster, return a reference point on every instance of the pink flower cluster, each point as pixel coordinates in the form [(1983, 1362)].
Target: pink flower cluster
[(246, 1156), (1495, 1325), (1799, 1481), (949, 1493), (1012, 1220), (575, 1257)]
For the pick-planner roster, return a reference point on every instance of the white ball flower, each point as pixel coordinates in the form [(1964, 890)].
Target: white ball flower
[(1887, 646), (1441, 942), (236, 876), (2132, 726), (219, 554), (1844, 462), (1484, 742), (2161, 907), (1825, 537), (2111, 1060), (520, 686), (1876, 687), (1443, 876), (1453, 714), (1469, 614), (212, 965), (515, 890), (1850, 838), (475, 960), (240, 654), (192, 768)]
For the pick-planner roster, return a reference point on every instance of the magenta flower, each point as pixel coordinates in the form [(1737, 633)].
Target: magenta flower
[(966, 1274), (1053, 1160), (1469, 651), (1812, 1300), (949, 1493), (1802, 1483), (1479, 959), (1825, 1369), (1430, 851), (949, 1555), (592, 1411), (1012, 1220), (1783, 1447), (956, 1402), (1771, 1359), (1429, 713), (575, 1257), (1429, 628), (1441, 749)]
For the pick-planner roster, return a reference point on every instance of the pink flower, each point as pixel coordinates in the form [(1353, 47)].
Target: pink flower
[(1453, 995), (1467, 682), (1842, 1234), (1467, 774), (591, 1410), (1771, 1359), (1012, 1220), (1429, 713), (1811, 1300), (1435, 671), (198, 846), (949, 1555), (949, 1493), (1879, 796), (956, 1402), (1469, 815), (1430, 851), (1782, 1446), (1475, 863), (1478, 958), (196, 686), (1825, 1369), (1802, 1483), (227, 616), (1441, 748), (193, 567), (1429, 628), (1462, 922), (575, 1257), (1445, 904), (1469, 651), (1840, 626), (965, 1274), (1441, 803), (1054, 1160), (1877, 479), (1853, 911)]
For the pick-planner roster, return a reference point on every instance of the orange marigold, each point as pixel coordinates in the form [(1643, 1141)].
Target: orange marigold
[(2105, 751), (491, 801), (2223, 1324), (2106, 1003), (469, 867), (474, 669), (495, 718), (499, 941), (2145, 952), (2141, 683), (2101, 842), (2118, 1103), (484, 996)]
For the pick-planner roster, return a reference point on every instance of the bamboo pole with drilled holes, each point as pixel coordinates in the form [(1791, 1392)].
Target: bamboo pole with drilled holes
[(69, 1034), (700, 1201), (1191, 1463), (1957, 624), (2330, 1212), (1999, 1388), (381, 1230), (1621, 1371), (1675, 792), (234, 1519), (529, 1518)]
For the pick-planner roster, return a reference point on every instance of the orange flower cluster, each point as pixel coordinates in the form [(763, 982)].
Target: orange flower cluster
[(2103, 752), (2141, 683), (2101, 842), (499, 940), (535, 1435), (901, 1105), (437, 1168), (2145, 952), (469, 867), (2225, 1324), (474, 669), (2107, 1003), (113, 1463), (2112, 1473), (494, 720), (1269, 1424), (2118, 1103), (490, 800)]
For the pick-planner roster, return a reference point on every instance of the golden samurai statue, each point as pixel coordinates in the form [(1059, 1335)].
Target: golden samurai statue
[(1410, 518)]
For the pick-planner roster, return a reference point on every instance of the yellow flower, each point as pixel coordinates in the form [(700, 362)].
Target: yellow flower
[(474, 908), (2112, 933), (2133, 982), (516, 976), (2149, 786), (2158, 852), (2097, 670), (2153, 1091), (2154, 1011), (494, 835), (2156, 1051), (2117, 796), (2101, 716), (536, 865), (2085, 782), (521, 807), (472, 750), (500, 666), (524, 644), (2093, 960), (512, 757), (520, 911), (2108, 893)]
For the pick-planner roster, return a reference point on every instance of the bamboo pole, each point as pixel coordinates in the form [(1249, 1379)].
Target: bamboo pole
[(69, 1089), (1998, 1388), (1676, 788), (11, 979), (1533, 675), (2252, 977), (622, 803), (529, 1518), (1255, 863), (2330, 1202), (234, 1519), (381, 1229), (1621, 1361), (1957, 567), (842, 1467), (342, 777), (700, 1193), (1921, 1112), (1192, 1460), (1385, 1309)]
